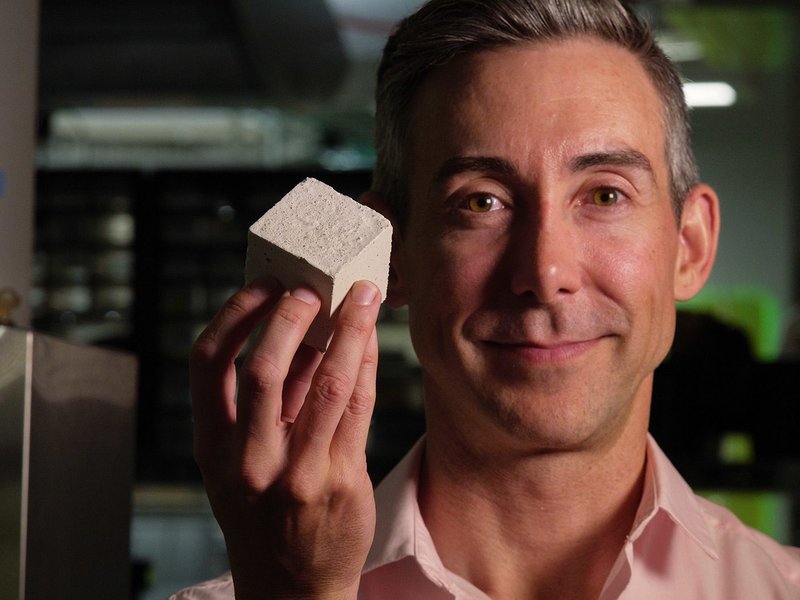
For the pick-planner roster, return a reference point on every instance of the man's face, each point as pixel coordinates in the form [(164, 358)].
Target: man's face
[(539, 259)]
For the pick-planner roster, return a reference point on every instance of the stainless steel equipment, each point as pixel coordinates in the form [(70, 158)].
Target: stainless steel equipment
[(67, 418)]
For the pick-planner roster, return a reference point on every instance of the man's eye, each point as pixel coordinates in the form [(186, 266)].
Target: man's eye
[(482, 204), (605, 197)]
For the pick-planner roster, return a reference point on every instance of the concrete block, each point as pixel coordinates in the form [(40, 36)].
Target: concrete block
[(319, 238)]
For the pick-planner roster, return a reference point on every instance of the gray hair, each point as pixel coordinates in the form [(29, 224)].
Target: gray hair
[(444, 29)]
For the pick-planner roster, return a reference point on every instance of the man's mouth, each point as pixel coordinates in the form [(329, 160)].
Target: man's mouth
[(541, 351)]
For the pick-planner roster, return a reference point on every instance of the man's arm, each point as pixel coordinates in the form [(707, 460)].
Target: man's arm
[(283, 458)]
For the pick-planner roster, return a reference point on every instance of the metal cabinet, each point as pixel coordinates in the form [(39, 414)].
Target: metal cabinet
[(67, 418)]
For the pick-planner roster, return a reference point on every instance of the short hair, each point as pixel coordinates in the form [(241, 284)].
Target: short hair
[(442, 30)]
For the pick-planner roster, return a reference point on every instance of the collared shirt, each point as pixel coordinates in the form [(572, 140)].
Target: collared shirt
[(680, 546)]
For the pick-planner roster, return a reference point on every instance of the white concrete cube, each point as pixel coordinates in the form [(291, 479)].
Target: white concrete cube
[(318, 238)]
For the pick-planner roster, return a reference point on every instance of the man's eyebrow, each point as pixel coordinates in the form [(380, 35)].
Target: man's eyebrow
[(474, 164), (494, 164), (615, 158)]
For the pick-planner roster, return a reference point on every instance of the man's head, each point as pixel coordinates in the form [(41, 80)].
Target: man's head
[(445, 29), (540, 255)]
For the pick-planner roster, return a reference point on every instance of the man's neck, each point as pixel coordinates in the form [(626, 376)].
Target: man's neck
[(548, 524)]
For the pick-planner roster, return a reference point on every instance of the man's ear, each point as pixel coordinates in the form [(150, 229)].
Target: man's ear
[(698, 237), (395, 294)]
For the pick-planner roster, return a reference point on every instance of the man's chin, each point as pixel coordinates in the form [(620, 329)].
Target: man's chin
[(548, 415)]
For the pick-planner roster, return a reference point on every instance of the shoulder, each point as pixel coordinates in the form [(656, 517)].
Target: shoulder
[(220, 588), (741, 546), (702, 547)]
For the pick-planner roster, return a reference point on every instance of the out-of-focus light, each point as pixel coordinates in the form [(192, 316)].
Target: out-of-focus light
[(681, 50), (709, 93), (226, 213)]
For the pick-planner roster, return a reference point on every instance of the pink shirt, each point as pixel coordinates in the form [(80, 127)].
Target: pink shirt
[(680, 546)]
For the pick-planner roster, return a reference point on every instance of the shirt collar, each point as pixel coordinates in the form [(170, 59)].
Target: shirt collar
[(666, 490), (397, 511), (401, 532)]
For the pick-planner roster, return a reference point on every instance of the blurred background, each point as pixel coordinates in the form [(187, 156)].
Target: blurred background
[(164, 128)]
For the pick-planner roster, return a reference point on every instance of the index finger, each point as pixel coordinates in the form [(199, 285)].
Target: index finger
[(262, 377), (337, 374)]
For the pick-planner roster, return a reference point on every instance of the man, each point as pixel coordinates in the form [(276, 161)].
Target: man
[(534, 158)]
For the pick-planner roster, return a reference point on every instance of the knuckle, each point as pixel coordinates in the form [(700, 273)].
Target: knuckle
[(249, 476), (203, 350), (257, 385), (260, 375), (237, 305), (332, 388), (238, 308), (355, 327), (369, 361), (298, 487), (348, 479), (361, 401), (288, 317), (251, 481)]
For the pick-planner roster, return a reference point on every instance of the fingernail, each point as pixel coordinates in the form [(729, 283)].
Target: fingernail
[(364, 292), (305, 295)]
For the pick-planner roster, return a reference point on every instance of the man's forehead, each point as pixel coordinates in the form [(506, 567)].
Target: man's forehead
[(556, 71), (516, 97)]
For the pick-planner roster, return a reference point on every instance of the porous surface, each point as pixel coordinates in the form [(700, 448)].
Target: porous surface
[(316, 237)]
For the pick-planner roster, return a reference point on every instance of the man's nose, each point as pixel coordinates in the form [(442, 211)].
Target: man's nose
[(546, 258)]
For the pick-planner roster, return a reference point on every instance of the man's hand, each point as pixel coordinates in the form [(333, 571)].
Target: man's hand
[(283, 458)]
